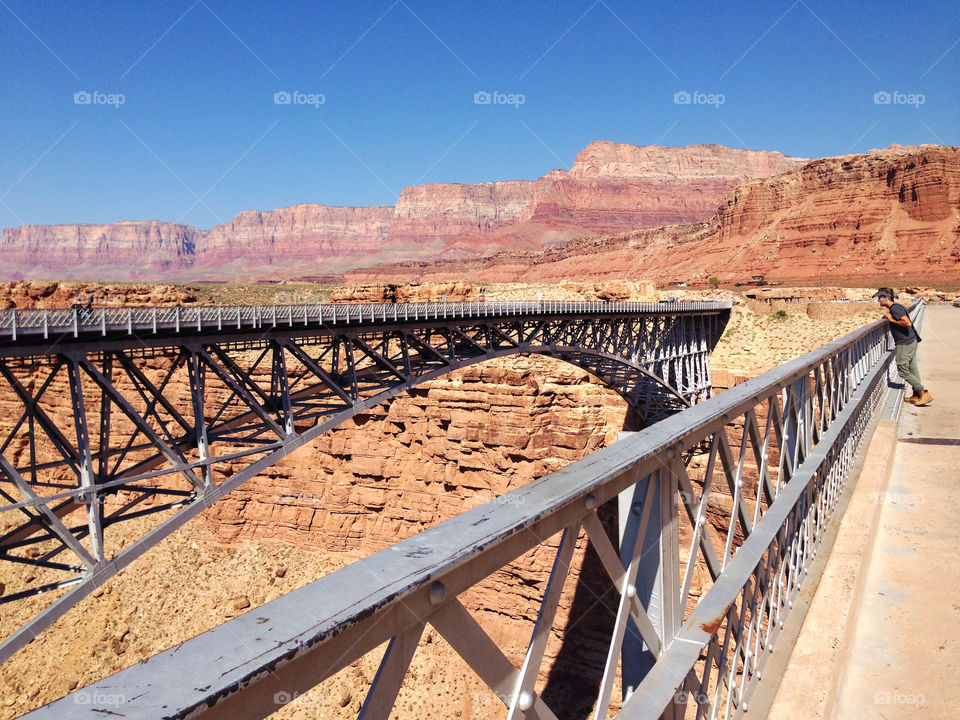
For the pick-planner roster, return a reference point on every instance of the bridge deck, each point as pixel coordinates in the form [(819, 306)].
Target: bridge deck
[(38, 331), (900, 655)]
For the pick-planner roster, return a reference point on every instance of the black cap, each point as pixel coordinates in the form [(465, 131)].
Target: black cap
[(885, 292)]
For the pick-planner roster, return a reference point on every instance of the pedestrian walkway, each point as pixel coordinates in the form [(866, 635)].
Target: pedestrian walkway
[(882, 637)]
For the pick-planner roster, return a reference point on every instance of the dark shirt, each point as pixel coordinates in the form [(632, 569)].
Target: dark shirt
[(901, 335)]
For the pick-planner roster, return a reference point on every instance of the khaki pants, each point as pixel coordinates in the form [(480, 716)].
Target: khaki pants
[(906, 356)]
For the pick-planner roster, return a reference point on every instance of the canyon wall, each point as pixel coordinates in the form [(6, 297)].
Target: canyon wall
[(891, 215), (649, 186), (98, 251), (294, 241), (610, 188)]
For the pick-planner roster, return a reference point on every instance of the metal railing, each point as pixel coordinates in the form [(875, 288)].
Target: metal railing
[(15, 324), (778, 449)]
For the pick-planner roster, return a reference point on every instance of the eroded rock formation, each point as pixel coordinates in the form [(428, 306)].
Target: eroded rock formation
[(406, 293), (27, 294), (891, 215)]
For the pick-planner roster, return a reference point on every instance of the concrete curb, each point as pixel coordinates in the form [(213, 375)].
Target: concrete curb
[(876, 470), (810, 684)]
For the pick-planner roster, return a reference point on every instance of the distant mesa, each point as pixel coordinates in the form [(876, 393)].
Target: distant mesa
[(611, 188)]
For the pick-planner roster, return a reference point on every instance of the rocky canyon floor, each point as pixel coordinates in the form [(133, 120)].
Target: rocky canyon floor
[(402, 467)]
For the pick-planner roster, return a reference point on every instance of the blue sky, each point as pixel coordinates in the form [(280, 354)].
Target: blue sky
[(169, 110)]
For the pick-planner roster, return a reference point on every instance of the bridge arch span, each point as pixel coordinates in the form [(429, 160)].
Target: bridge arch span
[(257, 394)]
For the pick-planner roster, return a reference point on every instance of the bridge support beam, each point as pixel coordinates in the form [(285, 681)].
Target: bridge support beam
[(649, 508)]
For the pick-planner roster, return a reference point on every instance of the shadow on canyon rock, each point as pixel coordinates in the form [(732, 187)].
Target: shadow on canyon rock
[(574, 680)]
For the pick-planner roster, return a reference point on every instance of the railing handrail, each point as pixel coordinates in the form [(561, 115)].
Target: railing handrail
[(94, 316)]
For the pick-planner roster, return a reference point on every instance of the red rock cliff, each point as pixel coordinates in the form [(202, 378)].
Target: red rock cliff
[(650, 186), (610, 188), (97, 251), (891, 214), (293, 241)]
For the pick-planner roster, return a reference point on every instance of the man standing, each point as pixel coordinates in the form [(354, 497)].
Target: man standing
[(905, 340)]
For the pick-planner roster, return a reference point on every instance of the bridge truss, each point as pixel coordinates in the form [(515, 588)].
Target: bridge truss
[(114, 415)]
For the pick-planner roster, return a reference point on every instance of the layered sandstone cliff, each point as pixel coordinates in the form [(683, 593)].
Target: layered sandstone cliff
[(891, 214), (652, 185), (287, 237), (610, 188), (444, 211), (98, 251)]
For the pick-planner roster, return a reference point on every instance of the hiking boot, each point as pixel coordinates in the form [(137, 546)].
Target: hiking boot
[(912, 399), (925, 398)]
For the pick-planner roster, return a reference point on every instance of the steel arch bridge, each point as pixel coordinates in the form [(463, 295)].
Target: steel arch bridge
[(114, 414)]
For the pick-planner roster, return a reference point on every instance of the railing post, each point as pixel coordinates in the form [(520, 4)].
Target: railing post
[(650, 506)]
